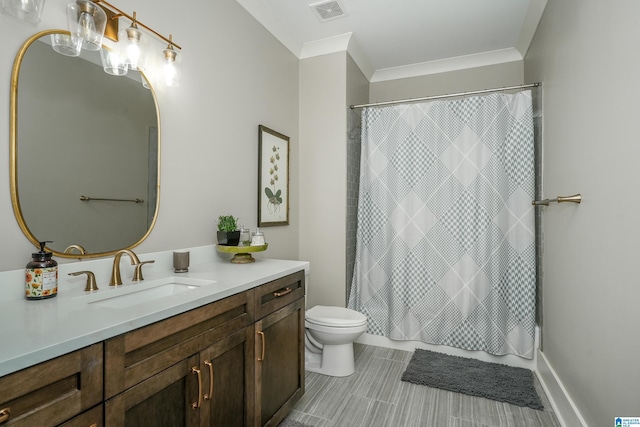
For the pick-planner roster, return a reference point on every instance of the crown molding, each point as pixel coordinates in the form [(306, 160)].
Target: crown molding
[(445, 65), (334, 44)]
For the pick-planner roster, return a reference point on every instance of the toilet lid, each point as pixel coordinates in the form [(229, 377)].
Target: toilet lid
[(335, 316)]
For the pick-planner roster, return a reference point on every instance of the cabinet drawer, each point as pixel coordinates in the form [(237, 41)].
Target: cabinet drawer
[(54, 391), (276, 294), (138, 355)]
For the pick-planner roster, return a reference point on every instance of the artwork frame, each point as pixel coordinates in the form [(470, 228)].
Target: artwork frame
[(273, 178)]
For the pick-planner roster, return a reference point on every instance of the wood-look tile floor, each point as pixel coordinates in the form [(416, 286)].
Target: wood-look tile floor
[(375, 396)]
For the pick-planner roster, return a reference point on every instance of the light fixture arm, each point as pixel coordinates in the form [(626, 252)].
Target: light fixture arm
[(135, 21), (171, 44)]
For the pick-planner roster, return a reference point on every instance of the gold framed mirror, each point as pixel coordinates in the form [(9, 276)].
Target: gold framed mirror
[(84, 152)]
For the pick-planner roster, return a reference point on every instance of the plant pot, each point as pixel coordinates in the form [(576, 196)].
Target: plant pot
[(229, 238)]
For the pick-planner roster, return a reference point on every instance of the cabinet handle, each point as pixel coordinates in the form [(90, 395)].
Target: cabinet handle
[(5, 414), (261, 358), (196, 405), (210, 395), (282, 292)]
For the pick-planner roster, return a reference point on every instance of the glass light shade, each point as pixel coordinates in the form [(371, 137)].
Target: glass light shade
[(134, 45), (87, 21), (171, 67), (25, 10), (66, 44), (113, 62)]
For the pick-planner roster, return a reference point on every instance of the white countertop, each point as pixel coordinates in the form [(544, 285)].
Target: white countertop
[(33, 331)]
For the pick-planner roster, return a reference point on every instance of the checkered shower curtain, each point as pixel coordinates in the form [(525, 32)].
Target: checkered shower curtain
[(446, 241)]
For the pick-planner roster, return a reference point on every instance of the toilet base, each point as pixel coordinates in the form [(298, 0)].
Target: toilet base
[(335, 360)]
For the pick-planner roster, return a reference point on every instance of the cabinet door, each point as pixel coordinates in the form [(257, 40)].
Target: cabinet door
[(168, 399), (279, 351), (228, 370)]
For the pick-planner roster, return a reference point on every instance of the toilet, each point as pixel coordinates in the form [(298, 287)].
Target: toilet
[(329, 336)]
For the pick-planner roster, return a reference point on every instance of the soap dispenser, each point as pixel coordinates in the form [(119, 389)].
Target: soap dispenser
[(41, 275)]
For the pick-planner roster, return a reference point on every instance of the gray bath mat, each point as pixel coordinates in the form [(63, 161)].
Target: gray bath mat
[(473, 377), (291, 423)]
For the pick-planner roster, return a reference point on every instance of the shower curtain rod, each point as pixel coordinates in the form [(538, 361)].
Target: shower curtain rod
[(451, 95)]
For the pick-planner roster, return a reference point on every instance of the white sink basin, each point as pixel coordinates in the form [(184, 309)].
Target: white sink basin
[(133, 294)]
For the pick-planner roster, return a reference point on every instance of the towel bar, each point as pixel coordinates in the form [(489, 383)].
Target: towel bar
[(576, 198), (88, 199)]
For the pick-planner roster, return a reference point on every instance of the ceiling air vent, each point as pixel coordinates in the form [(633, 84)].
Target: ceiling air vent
[(328, 10)]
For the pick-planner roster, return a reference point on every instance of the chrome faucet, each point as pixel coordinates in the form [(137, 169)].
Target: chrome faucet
[(116, 280)]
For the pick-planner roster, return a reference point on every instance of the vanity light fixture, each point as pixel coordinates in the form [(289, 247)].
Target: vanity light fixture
[(171, 65), (28, 11), (87, 21), (134, 45), (66, 44), (113, 62)]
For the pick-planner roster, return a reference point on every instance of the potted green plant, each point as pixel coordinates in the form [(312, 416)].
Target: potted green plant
[(228, 233)]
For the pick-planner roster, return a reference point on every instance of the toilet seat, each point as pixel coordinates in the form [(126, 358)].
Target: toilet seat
[(335, 317)]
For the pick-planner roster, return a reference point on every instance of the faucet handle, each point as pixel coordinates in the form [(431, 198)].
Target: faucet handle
[(91, 280), (137, 274)]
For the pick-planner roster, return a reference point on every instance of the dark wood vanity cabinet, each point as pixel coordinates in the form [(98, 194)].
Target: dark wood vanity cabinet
[(238, 361)]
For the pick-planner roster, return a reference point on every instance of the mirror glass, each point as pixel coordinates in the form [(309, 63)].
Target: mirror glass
[(80, 135)]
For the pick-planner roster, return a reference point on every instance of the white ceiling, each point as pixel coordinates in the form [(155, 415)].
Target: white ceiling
[(392, 39)]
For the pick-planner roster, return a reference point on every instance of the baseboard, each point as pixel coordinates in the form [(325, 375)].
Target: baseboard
[(566, 411)]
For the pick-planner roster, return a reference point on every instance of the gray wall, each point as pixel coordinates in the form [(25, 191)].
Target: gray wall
[(235, 77), (322, 176), (585, 52), (328, 84)]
